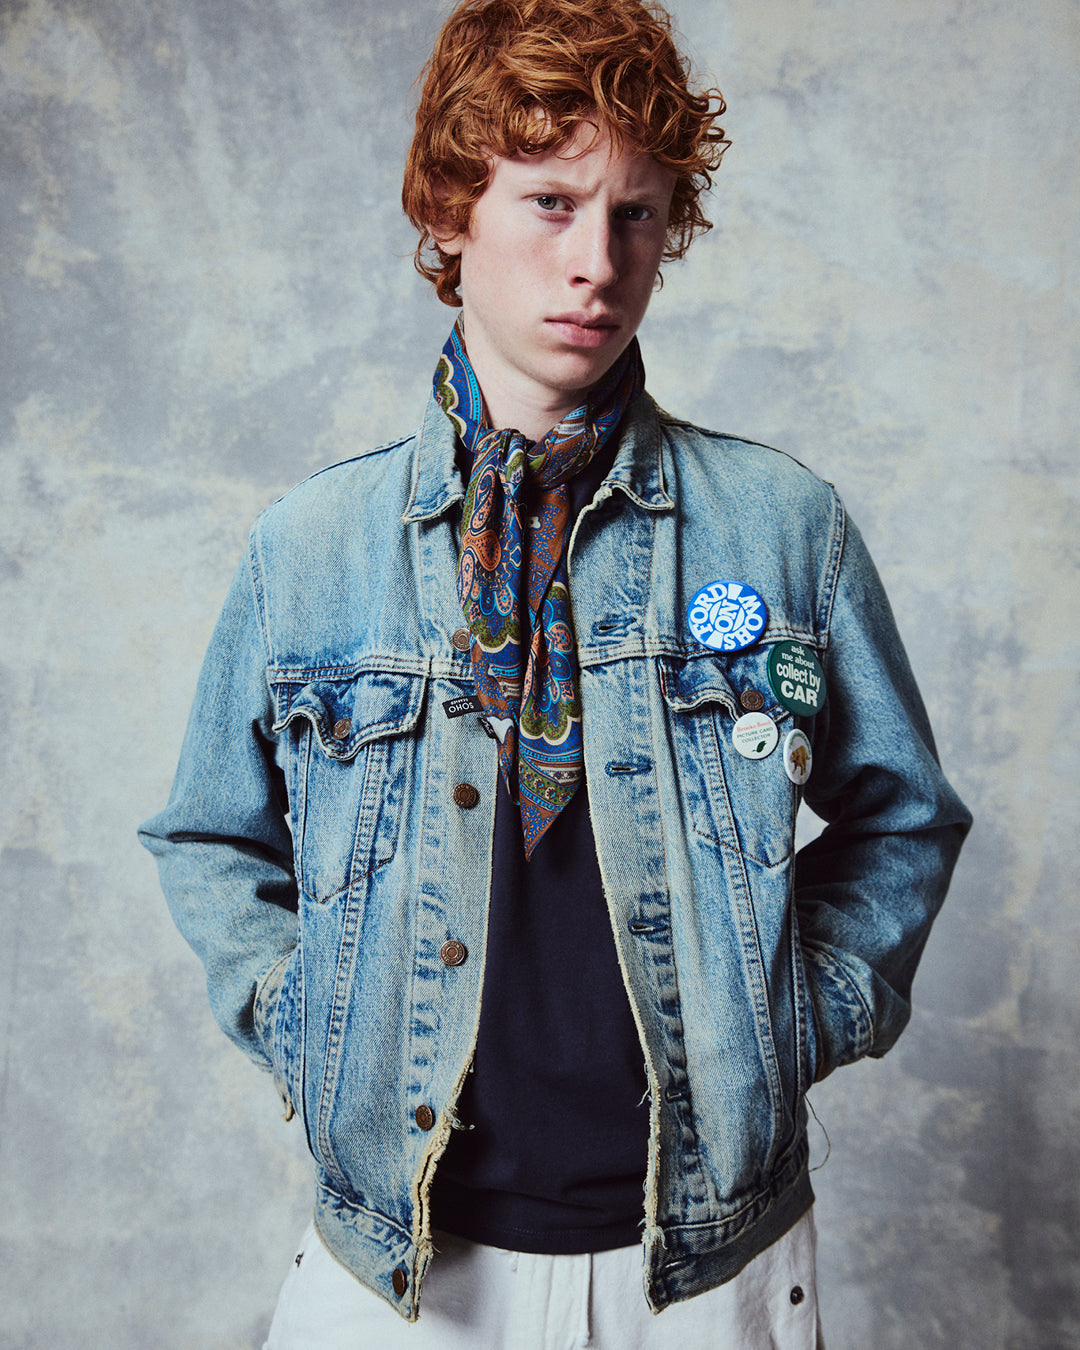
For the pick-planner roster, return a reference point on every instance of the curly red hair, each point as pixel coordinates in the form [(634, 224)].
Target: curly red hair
[(523, 75)]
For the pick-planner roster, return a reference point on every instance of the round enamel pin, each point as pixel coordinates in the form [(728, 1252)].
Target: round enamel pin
[(754, 735), (727, 615), (796, 678), (798, 757)]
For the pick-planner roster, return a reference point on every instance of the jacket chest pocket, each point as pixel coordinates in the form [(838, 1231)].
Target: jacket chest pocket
[(733, 801), (350, 758)]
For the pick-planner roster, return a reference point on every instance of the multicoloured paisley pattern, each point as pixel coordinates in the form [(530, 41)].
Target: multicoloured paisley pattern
[(512, 578)]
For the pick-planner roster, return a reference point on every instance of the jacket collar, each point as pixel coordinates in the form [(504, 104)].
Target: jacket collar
[(436, 482), (637, 470)]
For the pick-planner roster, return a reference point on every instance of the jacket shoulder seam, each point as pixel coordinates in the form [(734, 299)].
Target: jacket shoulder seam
[(668, 419), (342, 464)]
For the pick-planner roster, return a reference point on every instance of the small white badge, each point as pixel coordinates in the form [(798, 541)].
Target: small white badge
[(754, 735), (798, 757)]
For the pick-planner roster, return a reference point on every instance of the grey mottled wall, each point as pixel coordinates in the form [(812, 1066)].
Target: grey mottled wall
[(205, 293)]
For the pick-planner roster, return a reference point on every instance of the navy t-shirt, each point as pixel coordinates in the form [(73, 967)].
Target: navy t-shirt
[(554, 1152)]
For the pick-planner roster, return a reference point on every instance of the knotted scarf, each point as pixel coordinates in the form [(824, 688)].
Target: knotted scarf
[(512, 577)]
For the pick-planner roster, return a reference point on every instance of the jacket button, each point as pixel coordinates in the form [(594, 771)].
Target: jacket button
[(453, 953), (797, 1295), (425, 1117), (342, 727), (753, 700), (461, 640), (466, 795), (400, 1281)]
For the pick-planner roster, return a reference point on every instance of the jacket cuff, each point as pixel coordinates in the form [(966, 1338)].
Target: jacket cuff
[(843, 1026)]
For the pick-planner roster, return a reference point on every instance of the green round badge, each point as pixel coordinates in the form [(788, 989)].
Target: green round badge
[(796, 678)]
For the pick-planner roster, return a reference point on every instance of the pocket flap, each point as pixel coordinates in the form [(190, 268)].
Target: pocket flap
[(348, 713), (690, 683)]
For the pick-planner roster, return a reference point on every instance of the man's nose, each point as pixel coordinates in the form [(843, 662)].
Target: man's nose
[(594, 256)]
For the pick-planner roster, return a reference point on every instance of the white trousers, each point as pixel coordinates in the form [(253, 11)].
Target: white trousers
[(483, 1298)]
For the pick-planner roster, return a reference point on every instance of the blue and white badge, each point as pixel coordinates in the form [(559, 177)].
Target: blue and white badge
[(727, 615)]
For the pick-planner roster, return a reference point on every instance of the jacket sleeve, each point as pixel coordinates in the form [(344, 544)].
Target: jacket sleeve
[(868, 888), (223, 844)]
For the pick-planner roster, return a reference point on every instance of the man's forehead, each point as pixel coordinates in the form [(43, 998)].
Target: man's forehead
[(590, 154)]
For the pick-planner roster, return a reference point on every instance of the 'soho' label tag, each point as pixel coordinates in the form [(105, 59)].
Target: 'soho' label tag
[(727, 615), (464, 703)]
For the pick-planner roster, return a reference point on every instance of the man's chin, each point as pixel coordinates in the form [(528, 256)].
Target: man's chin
[(575, 371)]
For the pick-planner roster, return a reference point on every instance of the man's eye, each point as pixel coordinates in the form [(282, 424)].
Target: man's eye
[(548, 202), (636, 213)]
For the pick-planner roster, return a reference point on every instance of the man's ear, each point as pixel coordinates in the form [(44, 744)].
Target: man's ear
[(443, 230), (448, 242)]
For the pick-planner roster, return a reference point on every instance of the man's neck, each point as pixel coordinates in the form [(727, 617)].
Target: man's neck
[(532, 416), (513, 400)]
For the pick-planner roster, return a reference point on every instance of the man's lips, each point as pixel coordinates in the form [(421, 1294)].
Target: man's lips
[(584, 330)]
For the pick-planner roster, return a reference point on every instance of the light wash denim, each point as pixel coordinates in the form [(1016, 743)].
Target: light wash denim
[(314, 855)]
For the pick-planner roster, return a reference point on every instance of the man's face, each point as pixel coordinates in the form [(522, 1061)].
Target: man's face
[(557, 267)]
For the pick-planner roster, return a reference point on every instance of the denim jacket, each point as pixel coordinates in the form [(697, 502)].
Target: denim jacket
[(319, 851)]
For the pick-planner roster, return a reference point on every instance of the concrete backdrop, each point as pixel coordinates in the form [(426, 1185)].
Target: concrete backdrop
[(207, 293)]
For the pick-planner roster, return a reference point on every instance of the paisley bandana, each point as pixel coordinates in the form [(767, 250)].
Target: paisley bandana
[(512, 578)]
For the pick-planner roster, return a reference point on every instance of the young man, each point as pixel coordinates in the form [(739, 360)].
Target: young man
[(484, 821)]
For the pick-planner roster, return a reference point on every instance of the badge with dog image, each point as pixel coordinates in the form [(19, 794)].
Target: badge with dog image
[(798, 757)]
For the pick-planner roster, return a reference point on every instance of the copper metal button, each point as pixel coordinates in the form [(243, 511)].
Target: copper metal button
[(400, 1281), (342, 727), (425, 1117), (753, 700), (461, 640), (466, 795), (453, 953)]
